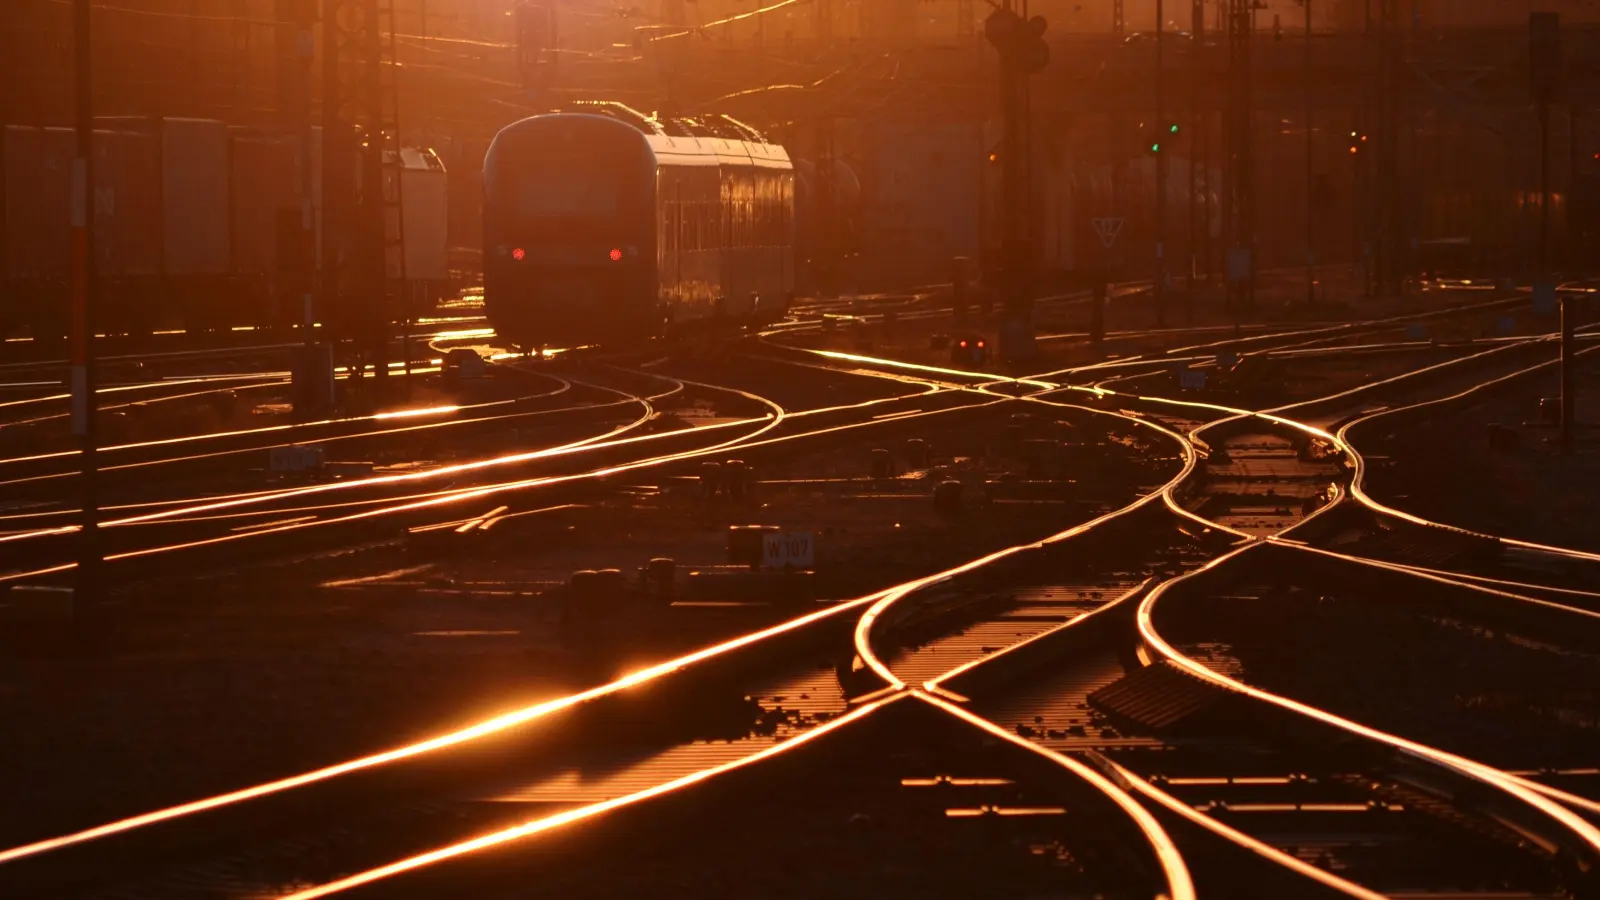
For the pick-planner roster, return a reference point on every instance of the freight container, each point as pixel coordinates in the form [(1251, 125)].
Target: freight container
[(22, 155), (128, 241), (922, 186), (38, 187), (23, 233), (425, 199), (820, 258), (128, 204), (266, 216), (464, 162), (188, 217), (334, 232), (265, 174), (194, 185), (34, 198), (54, 186)]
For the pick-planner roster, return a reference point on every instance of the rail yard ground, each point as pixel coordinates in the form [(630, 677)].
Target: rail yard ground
[(370, 614)]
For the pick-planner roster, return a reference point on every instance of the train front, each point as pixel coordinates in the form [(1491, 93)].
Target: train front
[(569, 232)]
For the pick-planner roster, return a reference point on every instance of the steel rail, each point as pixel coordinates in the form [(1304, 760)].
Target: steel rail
[(1358, 482), (468, 734), (1488, 776), (864, 625), (543, 824), (248, 498), (1525, 787), (1122, 778), (293, 427)]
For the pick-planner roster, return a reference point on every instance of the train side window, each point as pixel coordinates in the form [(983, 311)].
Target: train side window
[(670, 225), (766, 211), (788, 211), (775, 211), (748, 206), (758, 210)]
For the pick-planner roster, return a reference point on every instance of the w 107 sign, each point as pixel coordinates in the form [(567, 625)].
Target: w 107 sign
[(794, 549)]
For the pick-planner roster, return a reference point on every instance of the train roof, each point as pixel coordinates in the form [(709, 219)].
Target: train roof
[(709, 125), (688, 142), (712, 151)]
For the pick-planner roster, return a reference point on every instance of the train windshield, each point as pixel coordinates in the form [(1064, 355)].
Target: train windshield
[(565, 192)]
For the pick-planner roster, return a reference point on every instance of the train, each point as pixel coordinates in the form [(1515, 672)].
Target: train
[(197, 225), (605, 225)]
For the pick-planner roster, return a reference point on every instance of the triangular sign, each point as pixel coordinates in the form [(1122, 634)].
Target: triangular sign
[(1108, 229)]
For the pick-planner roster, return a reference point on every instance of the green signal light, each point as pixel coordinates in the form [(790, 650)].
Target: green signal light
[(1173, 130), (1155, 148)]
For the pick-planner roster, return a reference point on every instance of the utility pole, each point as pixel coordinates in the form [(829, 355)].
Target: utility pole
[(1311, 165), (373, 289), (1385, 193), (1161, 169), (312, 372), (1197, 31), (338, 180), (84, 300), (1362, 208), (361, 122), (1239, 195), (1023, 53), (1544, 47), (537, 41), (1574, 249), (1016, 334)]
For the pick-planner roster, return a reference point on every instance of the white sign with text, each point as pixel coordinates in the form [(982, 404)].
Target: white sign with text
[(788, 548)]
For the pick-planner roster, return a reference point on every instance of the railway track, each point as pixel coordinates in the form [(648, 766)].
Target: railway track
[(833, 619), (1159, 699), (195, 454), (1029, 692), (298, 518)]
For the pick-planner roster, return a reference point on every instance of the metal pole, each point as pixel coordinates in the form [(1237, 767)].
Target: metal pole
[(374, 224), (1311, 217), (1016, 331), (335, 181), (1572, 251), (1197, 30), (1161, 169), (88, 588), (1568, 313), (1544, 187), (305, 54)]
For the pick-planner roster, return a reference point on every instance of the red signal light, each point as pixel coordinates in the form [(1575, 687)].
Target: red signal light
[(980, 345), (963, 345), (615, 254), (519, 254)]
